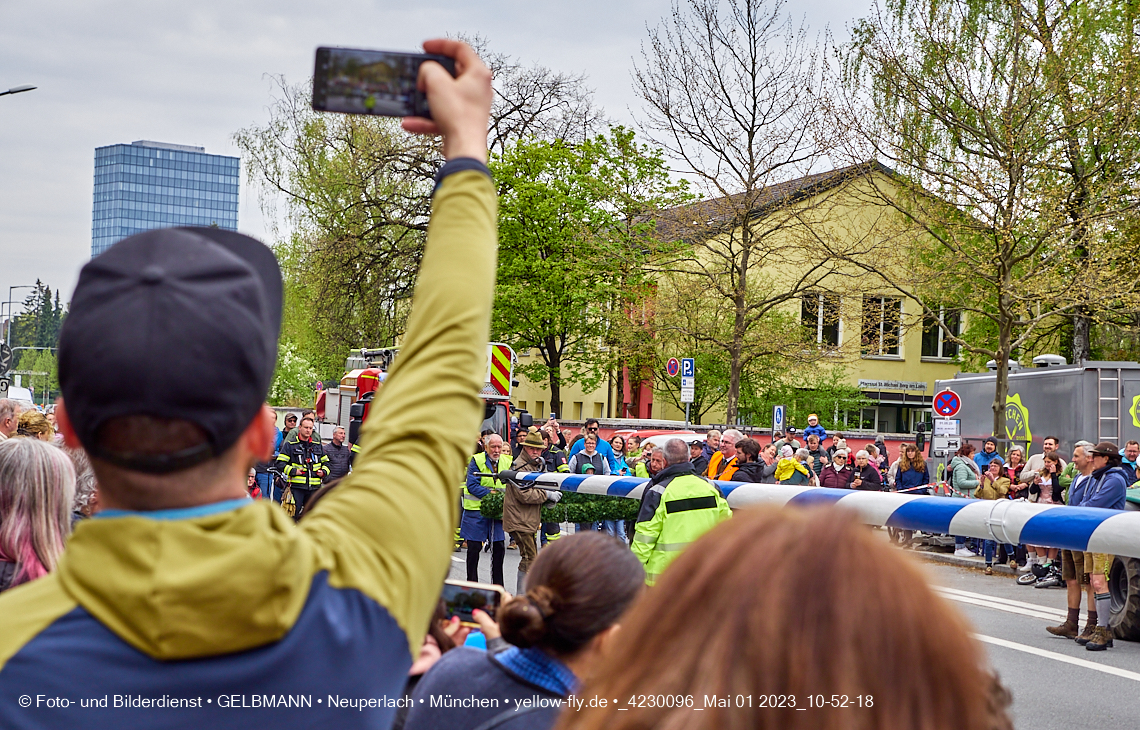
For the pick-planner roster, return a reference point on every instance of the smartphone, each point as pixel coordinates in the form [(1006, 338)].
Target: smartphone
[(382, 83), (463, 597), (554, 415)]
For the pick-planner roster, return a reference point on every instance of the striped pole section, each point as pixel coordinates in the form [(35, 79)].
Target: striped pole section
[(1087, 529)]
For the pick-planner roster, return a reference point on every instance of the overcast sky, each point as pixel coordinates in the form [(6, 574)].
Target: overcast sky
[(114, 71)]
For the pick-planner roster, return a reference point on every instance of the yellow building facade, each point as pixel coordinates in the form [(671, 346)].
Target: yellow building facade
[(879, 338)]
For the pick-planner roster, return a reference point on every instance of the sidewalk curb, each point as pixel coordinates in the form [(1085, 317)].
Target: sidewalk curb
[(977, 563)]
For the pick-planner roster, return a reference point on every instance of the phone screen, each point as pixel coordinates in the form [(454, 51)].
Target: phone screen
[(461, 600), (383, 83)]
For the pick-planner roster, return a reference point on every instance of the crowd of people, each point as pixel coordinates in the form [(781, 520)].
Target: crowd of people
[(137, 562)]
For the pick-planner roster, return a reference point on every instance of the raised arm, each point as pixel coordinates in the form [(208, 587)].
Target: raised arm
[(387, 531)]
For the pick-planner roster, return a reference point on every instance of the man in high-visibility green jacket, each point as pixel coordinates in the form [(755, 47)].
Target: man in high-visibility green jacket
[(677, 507), (473, 526)]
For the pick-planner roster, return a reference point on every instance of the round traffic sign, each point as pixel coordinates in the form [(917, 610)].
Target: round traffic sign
[(947, 404), (673, 367)]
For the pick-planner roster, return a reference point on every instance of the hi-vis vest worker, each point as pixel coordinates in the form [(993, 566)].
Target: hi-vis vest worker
[(470, 500), (720, 469), (678, 507)]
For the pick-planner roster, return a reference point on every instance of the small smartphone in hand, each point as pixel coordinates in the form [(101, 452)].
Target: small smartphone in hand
[(381, 83), (462, 597)]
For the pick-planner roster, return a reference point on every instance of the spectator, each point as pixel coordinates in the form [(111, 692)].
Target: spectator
[(838, 474), (987, 454), (516, 444), (875, 459), (33, 424), (819, 457), (910, 470), (1013, 469), (677, 507), (617, 443), (37, 490), (251, 488), (993, 485), (86, 501), (865, 476), (963, 477), (836, 438), (189, 585), (603, 447), (1131, 454), (722, 464), (9, 418), (444, 634), (697, 456), (1033, 466), (579, 588), (1106, 492), (339, 453), (835, 602), (617, 527), (712, 445), (522, 508), (751, 467), (590, 453), (479, 531), (633, 453), (814, 429), (1075, 564), (792, 467), (1045, 489), (882, 460)]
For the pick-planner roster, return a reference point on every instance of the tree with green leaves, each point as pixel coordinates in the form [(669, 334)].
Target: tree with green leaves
[(571, 238), (993, 219), (39, 323)]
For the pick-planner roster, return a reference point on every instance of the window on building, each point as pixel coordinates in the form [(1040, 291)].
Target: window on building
[(882, 325), (522, 405), (819, 315), (539, 409), (598, 409), (577, 410), (935, 343)]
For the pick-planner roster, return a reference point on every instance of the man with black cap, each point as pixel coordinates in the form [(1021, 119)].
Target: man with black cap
[(183, 593), (1107, 491)]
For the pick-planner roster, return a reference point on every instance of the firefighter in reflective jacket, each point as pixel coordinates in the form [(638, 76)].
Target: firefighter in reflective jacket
[(304, 464), (473, 526), (677, 507)]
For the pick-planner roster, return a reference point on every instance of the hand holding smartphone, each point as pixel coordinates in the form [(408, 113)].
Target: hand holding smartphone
[(383, 83), (462, 597)]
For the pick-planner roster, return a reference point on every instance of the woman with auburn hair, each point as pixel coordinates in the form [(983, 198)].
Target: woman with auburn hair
[(787, 607), (37, 487)]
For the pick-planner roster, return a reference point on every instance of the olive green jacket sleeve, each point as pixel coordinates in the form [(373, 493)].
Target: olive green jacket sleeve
[(387, 530)]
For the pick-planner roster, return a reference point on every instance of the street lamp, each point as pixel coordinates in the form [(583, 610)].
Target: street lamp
[(8, 329), (17, 89)]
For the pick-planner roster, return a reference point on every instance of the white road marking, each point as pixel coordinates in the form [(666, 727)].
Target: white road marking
[(461, 561), (1085, 664), (1032, 610)]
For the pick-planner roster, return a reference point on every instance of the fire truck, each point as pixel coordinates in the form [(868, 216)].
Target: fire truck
[(367, 369)]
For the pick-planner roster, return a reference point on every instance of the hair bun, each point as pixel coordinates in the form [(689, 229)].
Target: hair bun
[(523, 621)]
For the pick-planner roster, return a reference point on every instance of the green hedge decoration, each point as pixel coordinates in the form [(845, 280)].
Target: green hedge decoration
[(574, 507)]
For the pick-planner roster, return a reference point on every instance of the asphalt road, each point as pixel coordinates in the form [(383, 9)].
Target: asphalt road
[(1056, 684)]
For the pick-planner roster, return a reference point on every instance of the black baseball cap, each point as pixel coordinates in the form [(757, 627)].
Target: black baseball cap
[(175, 323)]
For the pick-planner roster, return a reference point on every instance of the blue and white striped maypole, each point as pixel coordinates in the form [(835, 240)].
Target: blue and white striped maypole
[(1072, 528)]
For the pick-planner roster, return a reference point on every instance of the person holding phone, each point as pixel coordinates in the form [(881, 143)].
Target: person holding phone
[(182, 585), (577, 590)]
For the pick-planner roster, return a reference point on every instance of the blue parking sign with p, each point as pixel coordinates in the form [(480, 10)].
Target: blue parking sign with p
[(688, 367)]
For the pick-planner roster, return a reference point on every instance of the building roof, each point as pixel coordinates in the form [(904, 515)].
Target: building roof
[(710, 216)]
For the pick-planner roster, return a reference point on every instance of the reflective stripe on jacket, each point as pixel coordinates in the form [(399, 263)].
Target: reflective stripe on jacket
[(689, 508), (304, 464), (470, 500)]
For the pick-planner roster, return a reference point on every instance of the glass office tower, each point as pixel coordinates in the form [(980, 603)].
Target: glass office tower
[(145, 185)]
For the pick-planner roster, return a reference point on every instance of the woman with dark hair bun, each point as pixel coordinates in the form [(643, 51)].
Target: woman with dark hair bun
[(577, 589)]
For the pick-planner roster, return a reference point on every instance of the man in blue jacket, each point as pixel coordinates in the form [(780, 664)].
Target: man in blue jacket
[(1106, 491), (184, 603), (604, 447)]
